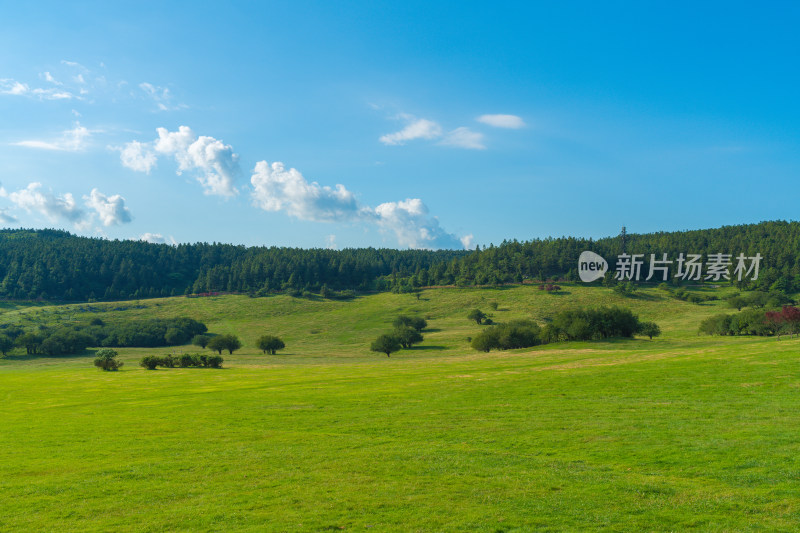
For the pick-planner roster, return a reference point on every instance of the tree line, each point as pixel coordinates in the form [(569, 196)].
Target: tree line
[(55, 265)]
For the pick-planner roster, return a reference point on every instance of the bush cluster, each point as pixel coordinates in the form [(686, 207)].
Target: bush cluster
[(753, 322), (67, 340), (407, 332), (580, 324), (515, 334), (150, 362)]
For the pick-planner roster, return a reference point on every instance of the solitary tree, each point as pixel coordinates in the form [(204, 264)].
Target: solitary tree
[(201, 340), (106, 360), (385, 344), (477, 315), (650, 329), (224, 342), (270, 343)]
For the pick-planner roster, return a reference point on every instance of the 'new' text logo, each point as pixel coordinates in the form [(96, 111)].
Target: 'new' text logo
[(591, 266)]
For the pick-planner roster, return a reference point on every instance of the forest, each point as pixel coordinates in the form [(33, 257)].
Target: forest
[(56, 265)]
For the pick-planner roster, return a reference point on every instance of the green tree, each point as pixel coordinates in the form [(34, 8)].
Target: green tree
[(407, 336), (270, 343), (106, 359), (385, 344), (737, 302), (650, 329), (224, 342), (32, 342), (477, 315), (418, 323), (6, 344), (201, 340)]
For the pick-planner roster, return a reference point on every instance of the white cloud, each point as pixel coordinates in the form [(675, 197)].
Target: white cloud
[(278, 189), (216, 161), (110, 209), (73, 140), (413, 226), (512, 122), (13, 87), (49, 77), (161, 96), (155, 238), (330, 242), (464, 138), (53, 207), (138, 156), (6, 218), (416, 129)]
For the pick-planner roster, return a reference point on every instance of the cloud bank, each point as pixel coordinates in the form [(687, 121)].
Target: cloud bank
[(277, 189), (111, 210)]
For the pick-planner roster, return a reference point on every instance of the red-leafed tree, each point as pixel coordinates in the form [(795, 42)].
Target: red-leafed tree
[(791, 317), (786, 320), (774, 321)]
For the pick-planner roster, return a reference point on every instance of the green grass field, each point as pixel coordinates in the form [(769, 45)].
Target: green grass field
[(681, 432)]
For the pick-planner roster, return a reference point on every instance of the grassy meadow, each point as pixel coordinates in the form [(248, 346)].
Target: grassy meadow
[(681, 432)]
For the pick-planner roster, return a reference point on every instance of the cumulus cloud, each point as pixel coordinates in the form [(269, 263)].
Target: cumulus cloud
[(277, 189), (73, 140), (216, 162), (110, 209), (417, 128), (464, 138), (512, 122), (32, 199), (413, 226), (154, 238), (138, 156)]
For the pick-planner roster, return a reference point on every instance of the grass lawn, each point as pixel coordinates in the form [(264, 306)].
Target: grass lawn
[(682, 432)]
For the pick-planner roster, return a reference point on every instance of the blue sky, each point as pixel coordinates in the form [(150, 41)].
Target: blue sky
[(345, 124)]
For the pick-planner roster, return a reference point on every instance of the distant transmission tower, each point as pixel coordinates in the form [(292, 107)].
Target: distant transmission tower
[(623, 237)]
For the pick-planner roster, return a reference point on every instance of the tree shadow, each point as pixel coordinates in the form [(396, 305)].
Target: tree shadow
[(426, 348)]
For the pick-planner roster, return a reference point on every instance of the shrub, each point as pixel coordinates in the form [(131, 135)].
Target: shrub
[(186, 360), (150, 362), (515, 334), (106, 360)]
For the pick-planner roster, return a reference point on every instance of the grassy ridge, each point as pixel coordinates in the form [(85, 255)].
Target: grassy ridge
[(679, 432)]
